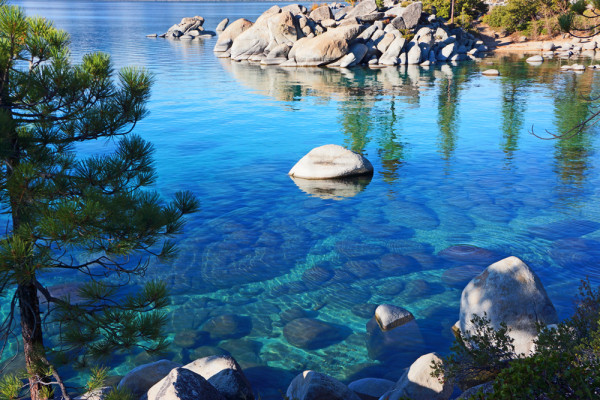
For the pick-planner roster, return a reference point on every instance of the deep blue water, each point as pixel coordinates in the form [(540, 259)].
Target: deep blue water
[(455, 164)]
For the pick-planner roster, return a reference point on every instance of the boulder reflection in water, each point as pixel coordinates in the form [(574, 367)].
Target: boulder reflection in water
[(336, 189)]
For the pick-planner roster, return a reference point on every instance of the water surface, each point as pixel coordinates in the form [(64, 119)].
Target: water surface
[(455, 164)]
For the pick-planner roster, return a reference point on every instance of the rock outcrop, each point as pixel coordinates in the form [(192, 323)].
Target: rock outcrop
[(345, 37), (183, 384), (509, 292)]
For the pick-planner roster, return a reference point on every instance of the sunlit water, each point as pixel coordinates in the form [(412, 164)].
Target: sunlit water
[(454, 164)]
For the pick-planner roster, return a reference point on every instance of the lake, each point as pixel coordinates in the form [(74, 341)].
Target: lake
[(455, 164)]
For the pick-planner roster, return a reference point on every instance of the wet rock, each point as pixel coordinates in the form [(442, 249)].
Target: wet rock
[(370, 388), (316, 276), (311, 334), (418, 384), (396, 347), (458, 277), (228, 326), (391, 288), (207, 351), (389, 316), (352, 249), (311, 385), (186, 338), (361, 268), (509, 292), (225, 375), (398, 264), (183, 384), (469, 254), (364, 310), (139, 380), (564, 229), (293, 313)]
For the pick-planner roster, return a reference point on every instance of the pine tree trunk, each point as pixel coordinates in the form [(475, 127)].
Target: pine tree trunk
[(31, 328)]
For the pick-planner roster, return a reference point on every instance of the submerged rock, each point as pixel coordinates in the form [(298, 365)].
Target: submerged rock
[(311, 334), (311, 385), (508, 292), (331, 161), (370, 388), (228, 326)]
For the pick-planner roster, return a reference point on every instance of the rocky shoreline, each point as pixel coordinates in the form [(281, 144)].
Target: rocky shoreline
[(508, 291), (344, 37)]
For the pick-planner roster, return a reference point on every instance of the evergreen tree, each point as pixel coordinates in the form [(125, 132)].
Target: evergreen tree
[(91, 217)]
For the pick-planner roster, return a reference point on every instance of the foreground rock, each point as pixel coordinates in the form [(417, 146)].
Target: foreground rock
[(418, 384), (331, 161), (225, 375), (183, 384), (389, 316), (371, 388), (510, 292), (311, 385), (142, 378)]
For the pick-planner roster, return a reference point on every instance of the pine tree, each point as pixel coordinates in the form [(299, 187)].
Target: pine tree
[(91, 217)]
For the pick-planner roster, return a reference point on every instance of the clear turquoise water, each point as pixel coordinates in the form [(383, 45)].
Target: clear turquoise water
[(454, 164)]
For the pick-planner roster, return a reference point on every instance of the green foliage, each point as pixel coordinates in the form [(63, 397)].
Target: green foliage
[(11, 387), (566, 363), (477, 356), (96, 218), (379, 4), (468, 9), (119, 394), (515, 16)]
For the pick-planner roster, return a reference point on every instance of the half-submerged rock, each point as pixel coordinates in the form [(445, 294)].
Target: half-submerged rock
[(142, 378), (225, 374), (389, 316), (509, 292), (331, 161), (336, 189), (418, 384), (183, 384), (311, 385)]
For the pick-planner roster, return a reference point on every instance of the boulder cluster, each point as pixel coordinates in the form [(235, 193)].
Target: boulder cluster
[(188, 29), (508, 291), (344, 37)]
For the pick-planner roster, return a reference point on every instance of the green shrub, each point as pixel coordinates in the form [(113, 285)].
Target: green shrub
[(566, 363), (470, 8)]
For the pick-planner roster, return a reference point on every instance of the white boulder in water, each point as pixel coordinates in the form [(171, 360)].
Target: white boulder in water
[(331, 161)]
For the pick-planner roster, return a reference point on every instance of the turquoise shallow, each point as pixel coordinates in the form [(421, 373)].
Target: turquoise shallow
[(455, 165)]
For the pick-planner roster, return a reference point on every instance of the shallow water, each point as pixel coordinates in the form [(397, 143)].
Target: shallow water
[(454, 162)]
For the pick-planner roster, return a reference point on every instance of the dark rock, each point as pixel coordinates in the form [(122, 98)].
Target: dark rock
[(316, 276), (464, 253), (361, 268), (183, 384), (364, 310), (564, 229), (458, 277), (398, 264), (311, 334), (228, 326)]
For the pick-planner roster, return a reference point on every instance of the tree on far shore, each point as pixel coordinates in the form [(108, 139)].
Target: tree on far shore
[(93, 219)]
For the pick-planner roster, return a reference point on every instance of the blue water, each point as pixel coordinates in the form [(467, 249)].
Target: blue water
[(454, 163)]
